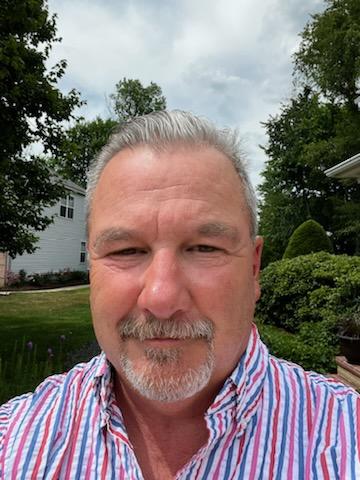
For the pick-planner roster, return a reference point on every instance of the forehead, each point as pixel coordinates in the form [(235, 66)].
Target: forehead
[(178, 164), (181, 177)]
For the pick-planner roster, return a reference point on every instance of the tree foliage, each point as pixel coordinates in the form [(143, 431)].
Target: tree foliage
[(315, 130), (329, 53), (79, 146), (32, 109), (309, 237), (131, 99), (83, 141)]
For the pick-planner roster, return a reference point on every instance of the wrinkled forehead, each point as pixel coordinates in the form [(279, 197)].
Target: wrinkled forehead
[(200, 170)]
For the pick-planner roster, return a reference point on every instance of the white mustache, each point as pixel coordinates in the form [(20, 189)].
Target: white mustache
[(149, 327)]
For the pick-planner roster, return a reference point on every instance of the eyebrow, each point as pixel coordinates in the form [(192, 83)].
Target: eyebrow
[(218, 229), (211, 230), (113, 235)]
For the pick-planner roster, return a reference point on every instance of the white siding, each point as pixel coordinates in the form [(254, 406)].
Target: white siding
[(59, 245)]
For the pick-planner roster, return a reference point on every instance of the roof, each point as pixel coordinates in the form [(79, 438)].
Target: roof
[(349, 168), (70, 185)]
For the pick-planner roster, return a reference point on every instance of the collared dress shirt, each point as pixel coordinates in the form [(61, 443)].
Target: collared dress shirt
[(271, 420)]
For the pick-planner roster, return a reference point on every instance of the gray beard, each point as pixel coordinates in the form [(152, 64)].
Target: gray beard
[(164, 379)]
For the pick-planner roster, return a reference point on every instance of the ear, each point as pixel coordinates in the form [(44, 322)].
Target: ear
[(258, 246)]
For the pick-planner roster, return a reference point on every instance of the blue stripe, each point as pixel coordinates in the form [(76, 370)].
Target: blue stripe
[(285, 417), (351, 424), (249, 437), (270, 397), (300, 426), (321, 430)]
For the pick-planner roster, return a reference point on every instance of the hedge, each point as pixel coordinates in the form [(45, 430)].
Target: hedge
[(308, 289)]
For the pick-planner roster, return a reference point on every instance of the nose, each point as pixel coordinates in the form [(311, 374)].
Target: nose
[(164, 291)]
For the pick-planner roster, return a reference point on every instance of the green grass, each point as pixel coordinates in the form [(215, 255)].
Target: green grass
[(59, 321), (42, 318)]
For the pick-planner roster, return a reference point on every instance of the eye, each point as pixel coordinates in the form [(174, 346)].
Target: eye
[(131, 251), (204, 249)]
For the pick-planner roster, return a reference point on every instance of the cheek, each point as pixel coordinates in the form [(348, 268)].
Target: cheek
[(113, 294)]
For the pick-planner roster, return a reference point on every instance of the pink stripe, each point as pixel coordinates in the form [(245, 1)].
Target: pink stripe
[(222, 399), (40, 456), (8, 435), (122, 473), (253, 347), (343, 443), (292, 427), (105, 464), (308, 404), (276, 421), (309, 454), (241, 447), (74, 381), (78, 420), (30, 423), (224, 451), (323, 461), (93, 430), (358, 426)]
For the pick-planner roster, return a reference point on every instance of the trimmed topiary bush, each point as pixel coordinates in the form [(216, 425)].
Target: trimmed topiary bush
[(309, 237), (310, 288)]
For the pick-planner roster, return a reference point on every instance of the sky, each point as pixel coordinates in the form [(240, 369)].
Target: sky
[(228, 60)]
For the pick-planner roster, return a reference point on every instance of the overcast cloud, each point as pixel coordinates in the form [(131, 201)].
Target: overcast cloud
[(229, 60)]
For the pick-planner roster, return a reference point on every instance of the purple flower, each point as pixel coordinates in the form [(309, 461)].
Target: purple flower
[(50, 352), (29, 345), (62, 338)]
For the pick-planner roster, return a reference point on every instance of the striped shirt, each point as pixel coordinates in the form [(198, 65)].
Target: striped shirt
[(271, 420)]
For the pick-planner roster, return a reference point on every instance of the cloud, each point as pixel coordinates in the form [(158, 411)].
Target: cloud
[(229, 60)]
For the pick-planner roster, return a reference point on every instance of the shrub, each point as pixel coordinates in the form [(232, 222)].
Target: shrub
[(62, 277), (309, 288), (349, 322), (310, 349), (309, 237)]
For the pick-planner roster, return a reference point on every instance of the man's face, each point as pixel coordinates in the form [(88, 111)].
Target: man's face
[(174, 271)]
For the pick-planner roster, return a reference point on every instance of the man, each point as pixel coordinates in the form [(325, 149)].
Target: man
[(184, 389)]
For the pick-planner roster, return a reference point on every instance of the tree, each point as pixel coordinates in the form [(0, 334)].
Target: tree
[(329, 53), (79, 146), (309, 237), (132, 99), (32, 109), (315, 130), (305, 139), (83, 141)]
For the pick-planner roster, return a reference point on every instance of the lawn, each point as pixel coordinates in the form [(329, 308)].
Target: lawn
[(38, 331)]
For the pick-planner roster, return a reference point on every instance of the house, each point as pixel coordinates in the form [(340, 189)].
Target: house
[(349, 168), (62, 245)]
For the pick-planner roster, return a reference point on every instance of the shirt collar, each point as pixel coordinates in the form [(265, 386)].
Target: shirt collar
[(241, 392)]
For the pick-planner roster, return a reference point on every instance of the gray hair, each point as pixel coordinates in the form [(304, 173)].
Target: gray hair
[(160, 130)]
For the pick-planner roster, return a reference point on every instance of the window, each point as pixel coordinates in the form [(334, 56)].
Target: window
[(83, 252), (67, 207)]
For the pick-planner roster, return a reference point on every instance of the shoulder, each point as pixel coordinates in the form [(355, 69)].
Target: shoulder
[(60, 393), (314, 381), (316, 392)]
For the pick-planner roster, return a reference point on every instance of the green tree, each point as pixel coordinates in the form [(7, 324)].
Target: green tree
[(315, 130), (32, 109), (131, 99), (83, 141), (79, 146), (329, 53)]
